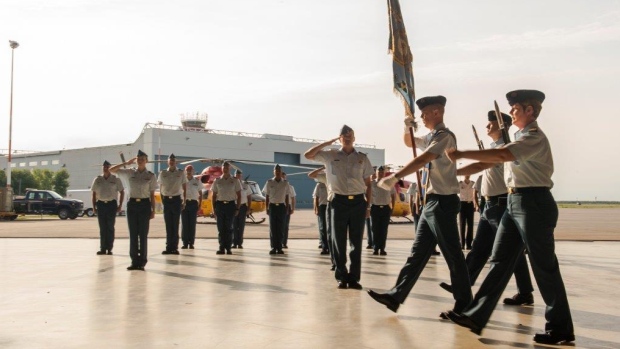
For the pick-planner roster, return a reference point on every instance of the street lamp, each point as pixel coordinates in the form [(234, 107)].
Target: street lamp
[(13, 45)]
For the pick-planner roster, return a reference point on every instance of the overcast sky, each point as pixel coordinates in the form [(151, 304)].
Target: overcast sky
[(305, 67)]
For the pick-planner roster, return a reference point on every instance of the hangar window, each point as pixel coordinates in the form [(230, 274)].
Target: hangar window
[(32, 163), (22, 164), (13, 164), (44, 162), (55, 162)]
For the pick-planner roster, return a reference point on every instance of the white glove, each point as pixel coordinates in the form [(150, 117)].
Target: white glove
[(388, 182), (409, 122)]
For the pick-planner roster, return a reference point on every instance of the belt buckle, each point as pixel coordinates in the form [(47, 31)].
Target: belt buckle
[(169, 197), (225, 202), (277, 204), (351, 197), (138, 200), (381, 206)]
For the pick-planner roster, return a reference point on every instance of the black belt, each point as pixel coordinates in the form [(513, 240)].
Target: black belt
[(380, 206), (139, 199), (467, 202), (225, 202), (171, 197), (106, 201), (528, 190), (191, 200), (349, 197), (276, 203), (495, 197)]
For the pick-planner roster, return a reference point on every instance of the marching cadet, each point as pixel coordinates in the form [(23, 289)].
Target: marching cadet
[(172, 186), (277, 200), (244, 210), (106, 189), (382, 202), (466, 214), (226, 201), (193, 202), (348, 181), (289, 212), (319, 196), (493, 188), (140, 207), (438, 219), (529, 222)]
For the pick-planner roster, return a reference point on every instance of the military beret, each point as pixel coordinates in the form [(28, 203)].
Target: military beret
[(189, 167), (226, 163), (106, 163), (141, 153), (519, 96), (277, 167), (507, 119), (171, 156), (238, 171), (345, 129), (381, 168), (426, 101)]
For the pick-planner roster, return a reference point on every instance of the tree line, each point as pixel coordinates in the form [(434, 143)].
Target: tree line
[(37, 179)]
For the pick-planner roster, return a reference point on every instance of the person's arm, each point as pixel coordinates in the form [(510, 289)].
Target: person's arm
[(313, 174), (119, 208), (368, 195), (474, 168), (152, 204), (416, 164), (476, 205), (316, 205), (238, 203), (488, 155), (311, 153), (94, 200), (115, 168), (393, 196)]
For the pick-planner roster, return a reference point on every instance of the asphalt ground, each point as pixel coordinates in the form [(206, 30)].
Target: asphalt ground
[(575, 224)]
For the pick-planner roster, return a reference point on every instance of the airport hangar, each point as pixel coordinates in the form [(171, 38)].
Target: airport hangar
[(191, 140)]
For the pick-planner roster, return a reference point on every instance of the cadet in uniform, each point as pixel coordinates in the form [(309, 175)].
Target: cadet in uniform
[(529, 221), (172, 187), (193, 202), (290, 211), (226, 200), (438, 219), (479, 202), (320, 177), (106, 189), (493, 187), (320, 210), (466, 215), (348, 181), (239, 220), (277, 201), (369, 231), (140, 207), (382, 204)]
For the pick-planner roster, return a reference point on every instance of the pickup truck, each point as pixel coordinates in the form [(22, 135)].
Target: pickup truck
[(47, 202)]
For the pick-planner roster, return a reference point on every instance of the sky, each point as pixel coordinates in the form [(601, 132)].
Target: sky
[(94, 72)]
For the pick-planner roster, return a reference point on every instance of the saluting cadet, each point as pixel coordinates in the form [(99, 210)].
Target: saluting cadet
[(106, 189), (529, 221), (193, 202), (348, 181), (239, 220), (466, 215), (290, 211), (140, 207), (319, 196), (380, 212), (493, 188), (277, 200), (172, 186), (438, 219), (226, 200)]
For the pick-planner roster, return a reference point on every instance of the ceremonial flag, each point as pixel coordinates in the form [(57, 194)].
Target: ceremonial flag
[(401, 53)]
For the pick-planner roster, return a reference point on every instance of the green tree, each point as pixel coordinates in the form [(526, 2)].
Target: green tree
[(2, 178), (22, 179), (61, 182), (44, 178)]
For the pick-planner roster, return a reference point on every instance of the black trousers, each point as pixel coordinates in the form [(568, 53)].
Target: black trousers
[(322, 222), (466, 220), (380, 217), (239, 225), (369, 237), (138, 219), (277, 222), (225, 213), (172, 217), (106, 216), (188, 221), (287, 221), (348, 217)]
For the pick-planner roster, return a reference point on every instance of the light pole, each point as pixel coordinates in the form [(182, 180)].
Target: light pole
[(13, 45)]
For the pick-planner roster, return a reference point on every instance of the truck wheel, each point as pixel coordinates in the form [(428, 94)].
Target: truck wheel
[(63, 213), (73, 216), (13, 217), (90, 212)]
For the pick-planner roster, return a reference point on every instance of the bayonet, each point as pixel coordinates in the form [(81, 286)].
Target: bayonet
[(502, 126), (478, 141)]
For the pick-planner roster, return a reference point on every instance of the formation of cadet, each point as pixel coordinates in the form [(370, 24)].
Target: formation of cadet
[(193, 202), (172, 186), (437, 223), (528, 222), (140, 207), (244, 208), (290, 211), (348, 180), (466, 214), (382, 204), (276, 192), (226, 202), (107, 204)]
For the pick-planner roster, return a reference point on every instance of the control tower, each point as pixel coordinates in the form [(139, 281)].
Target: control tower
[(194, 121)]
